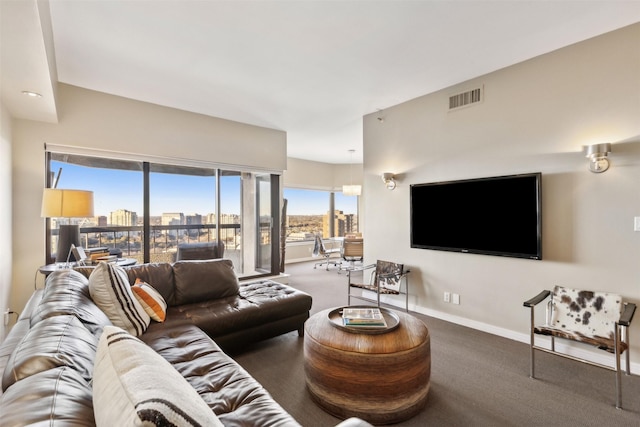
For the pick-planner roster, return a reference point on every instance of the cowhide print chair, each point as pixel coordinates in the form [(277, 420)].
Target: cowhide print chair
[(597, 318)]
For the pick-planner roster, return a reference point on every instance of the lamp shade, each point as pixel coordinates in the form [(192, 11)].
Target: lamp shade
[(58, 203), (351, 190)]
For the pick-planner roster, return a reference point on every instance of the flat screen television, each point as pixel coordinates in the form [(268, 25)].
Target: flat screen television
[(492, 216)]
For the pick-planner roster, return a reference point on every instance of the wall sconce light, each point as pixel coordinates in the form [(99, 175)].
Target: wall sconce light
[(597, 155), (389, 180)]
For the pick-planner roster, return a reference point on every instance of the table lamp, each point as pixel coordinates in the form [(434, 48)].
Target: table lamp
[(59, 203)]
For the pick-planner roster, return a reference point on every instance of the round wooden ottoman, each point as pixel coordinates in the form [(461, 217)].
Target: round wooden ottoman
[(382, 378)]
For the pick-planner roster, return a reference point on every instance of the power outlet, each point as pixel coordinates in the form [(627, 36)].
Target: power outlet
[(456, 298), (636, 223), (6, 317), (447, 297)]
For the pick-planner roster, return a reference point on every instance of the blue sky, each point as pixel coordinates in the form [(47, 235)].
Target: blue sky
[(121, 189)]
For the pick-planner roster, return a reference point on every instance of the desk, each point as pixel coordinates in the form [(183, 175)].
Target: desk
[(50, 268)]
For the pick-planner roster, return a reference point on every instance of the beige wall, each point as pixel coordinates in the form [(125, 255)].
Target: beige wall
[(5, 214), (535, 118), (104, 122), (311, 175)]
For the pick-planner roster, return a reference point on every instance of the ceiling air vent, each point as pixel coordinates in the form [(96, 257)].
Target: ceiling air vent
[(465, 98)]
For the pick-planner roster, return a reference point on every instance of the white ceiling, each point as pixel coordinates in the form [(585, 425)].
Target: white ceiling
[(310, 68)]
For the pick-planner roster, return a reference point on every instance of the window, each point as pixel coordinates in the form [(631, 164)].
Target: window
[(308, 214), (184, 205), (118, 200)]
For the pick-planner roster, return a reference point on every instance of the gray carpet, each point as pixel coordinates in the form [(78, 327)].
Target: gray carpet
[(477, 379)]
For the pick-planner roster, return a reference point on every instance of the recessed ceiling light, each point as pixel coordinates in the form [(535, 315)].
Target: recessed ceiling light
[(31, 94)]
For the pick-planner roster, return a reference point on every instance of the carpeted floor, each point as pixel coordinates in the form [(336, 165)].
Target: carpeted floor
[(477, 379)]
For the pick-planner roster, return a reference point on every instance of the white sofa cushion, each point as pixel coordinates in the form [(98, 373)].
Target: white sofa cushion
[(133, 385), (110, 290)]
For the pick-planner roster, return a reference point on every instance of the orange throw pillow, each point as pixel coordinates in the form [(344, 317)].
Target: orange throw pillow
[(150, 300)]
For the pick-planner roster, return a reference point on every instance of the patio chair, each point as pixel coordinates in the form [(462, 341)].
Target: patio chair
[(200, 250)]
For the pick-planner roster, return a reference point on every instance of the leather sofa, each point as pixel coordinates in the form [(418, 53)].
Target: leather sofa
[(47, 360), (207, 294)]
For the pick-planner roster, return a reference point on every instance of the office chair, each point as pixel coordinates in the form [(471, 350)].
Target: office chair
[(319, 249)]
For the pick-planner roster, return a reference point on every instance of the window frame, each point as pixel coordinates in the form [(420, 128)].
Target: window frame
[(147, 167)]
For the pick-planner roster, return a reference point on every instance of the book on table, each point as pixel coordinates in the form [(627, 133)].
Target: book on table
[(363, 317)]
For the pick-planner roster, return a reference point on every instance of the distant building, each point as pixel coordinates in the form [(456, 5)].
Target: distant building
[(173, 218), (210, 218), (351, 223), (342, 224), (194, 219), (123, 218), (229, 219)]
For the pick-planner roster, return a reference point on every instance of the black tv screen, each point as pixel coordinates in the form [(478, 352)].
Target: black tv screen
[(491, 216)]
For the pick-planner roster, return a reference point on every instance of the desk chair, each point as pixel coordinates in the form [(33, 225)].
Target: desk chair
[(352, 251), (319, 249)]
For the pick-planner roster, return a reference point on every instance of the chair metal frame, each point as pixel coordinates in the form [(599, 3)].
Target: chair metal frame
[(319, 249), (376, 279), (621, 335)]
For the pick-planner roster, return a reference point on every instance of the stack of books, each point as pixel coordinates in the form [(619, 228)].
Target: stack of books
[(363, 317), (96, 255), (106, 258)]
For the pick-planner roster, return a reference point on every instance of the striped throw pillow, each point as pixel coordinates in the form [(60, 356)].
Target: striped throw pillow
[(150, 300), (111, 292), (133, 386)]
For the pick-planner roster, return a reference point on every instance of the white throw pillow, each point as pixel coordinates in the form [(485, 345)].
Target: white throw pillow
[(110, 290), (133, 386)]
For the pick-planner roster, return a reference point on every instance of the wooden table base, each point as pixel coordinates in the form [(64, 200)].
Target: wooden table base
[(382, 378)]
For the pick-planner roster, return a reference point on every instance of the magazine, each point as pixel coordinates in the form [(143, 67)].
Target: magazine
[(363, 317)]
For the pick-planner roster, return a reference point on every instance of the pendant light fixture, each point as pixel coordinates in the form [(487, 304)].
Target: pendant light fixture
[(351, 190)]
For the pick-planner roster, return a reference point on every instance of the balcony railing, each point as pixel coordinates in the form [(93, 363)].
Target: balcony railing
[(164, 239)]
